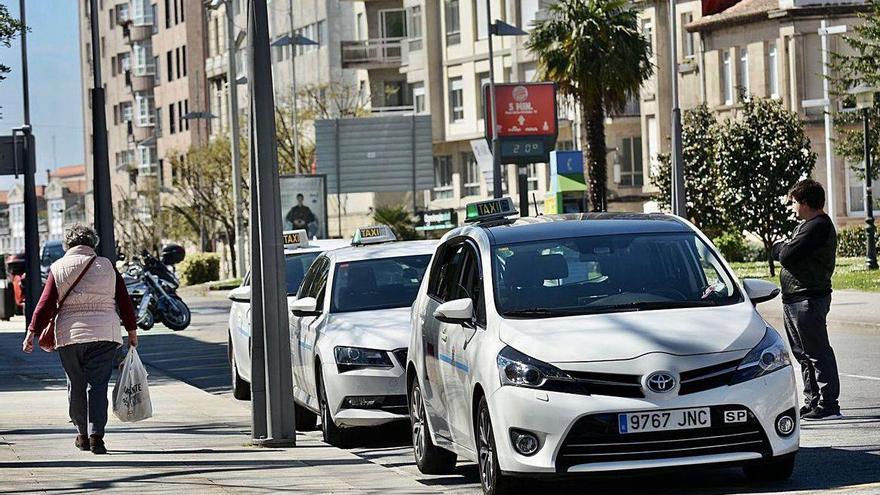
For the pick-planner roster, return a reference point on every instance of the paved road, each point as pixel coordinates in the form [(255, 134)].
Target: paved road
[(836, 457)]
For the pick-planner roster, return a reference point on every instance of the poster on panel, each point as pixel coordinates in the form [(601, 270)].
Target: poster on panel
[(304, 204)]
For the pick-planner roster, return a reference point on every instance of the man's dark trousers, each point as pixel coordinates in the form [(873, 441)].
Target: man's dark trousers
[(808, 334), (88, 367)]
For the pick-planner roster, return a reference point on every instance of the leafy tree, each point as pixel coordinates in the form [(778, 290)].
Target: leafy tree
[(399, 219), (764, 153), (595, 53), (10, 27), (203, 191), (702, 173), (859, 64), (136, 216)]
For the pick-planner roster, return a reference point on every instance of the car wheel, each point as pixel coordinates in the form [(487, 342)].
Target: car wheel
[(776, 469), (241, 389), (306, 420), (492, 480), (332, 434), (429, 458)]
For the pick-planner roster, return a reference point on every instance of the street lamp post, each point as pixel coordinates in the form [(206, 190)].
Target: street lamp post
[(498, 28), (865, 102), (294, 40), (679, 204)]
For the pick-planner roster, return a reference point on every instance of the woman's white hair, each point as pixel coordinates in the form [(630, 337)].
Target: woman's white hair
[(80, 235)]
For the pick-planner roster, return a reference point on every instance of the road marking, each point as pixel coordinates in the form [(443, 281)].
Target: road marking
[(862, 377)]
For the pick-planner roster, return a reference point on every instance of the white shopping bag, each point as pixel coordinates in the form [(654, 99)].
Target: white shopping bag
[(131, 396)]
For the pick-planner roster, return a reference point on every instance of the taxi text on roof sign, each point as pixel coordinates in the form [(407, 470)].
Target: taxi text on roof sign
[(373, 235), (492, 209), (295, 239)]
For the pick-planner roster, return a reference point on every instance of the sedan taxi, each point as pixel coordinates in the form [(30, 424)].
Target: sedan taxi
[(568, 344)]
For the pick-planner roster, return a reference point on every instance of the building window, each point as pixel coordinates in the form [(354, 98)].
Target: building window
[(125, 111), (471, 186), (726, 79), (169, 63), (453, 23), (414, 27), (183, 52), (631, 174), (742, 71), (172, 119), (142, 54), (168, 14), (141, 12), (442, 177), (418, 92), (855, 187), (144, 103), (182, 11), (146, 160), (482, 19), (687, 41), (532, 177), (456, 99), (772, 70)]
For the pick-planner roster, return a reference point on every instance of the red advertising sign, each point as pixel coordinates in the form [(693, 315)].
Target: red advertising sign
[(524, 110)]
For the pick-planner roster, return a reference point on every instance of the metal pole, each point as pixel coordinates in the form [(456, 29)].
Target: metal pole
[(338, 180), (522, 184), (101, 193), (413, 158), (496, 154), (870, 229), (293, 91), (234, 138), (679, 206), (829, 159), (25, 89), (271, 292)]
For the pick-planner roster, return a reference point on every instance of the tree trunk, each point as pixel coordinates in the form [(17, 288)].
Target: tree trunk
[(596, 155), (768, 248)]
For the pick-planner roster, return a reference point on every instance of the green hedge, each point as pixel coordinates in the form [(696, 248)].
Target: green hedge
[(199, 268), (735, 248), (852, 242)]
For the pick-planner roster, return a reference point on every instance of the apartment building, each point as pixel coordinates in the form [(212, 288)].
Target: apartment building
[(65, 199), (768, 48), (153, 72)]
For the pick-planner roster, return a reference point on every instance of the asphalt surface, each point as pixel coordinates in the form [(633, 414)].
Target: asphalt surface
[(841, 456)]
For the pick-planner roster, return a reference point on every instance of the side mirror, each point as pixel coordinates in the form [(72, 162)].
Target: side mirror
[(240, 294), (457, 312), (307, 306), (760, 290)]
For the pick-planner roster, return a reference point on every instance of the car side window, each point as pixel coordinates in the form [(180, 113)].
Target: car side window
[(308, 280), (444, 281), (471, 284), (319, 287), (246, 282)]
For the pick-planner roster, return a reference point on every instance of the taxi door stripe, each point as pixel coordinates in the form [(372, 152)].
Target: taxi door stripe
[(457, 364)]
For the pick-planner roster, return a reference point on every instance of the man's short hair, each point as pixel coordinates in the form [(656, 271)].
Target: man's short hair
[(300, 196), (808, 192)]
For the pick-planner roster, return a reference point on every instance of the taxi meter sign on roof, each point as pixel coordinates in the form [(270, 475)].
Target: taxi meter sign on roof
[(373, 235), (492, 209), (293, 239)]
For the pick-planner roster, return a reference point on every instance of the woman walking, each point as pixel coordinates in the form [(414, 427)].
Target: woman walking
[(87, 332)]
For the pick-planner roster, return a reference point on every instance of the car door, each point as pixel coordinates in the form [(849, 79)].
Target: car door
[(311, 327), (296, 349), (458, 343), (240, 333), (443, 275)]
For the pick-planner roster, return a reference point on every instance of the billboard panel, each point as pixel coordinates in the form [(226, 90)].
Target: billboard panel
[(304, 204), (524, 110)]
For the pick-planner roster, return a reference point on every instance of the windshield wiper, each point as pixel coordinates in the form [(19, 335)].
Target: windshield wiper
[(646, 305), (535, 313)]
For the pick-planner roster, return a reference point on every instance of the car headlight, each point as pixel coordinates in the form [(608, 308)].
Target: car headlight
[(348, 358), (519, 370), (766, 357)]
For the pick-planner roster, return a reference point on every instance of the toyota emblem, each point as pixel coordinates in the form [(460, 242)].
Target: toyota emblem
[(661, 382)]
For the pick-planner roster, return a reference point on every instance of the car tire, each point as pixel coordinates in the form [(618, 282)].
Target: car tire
[(305, 420), (241, 389), (331, 433), (772, 470), (430, 459), (492, 480)]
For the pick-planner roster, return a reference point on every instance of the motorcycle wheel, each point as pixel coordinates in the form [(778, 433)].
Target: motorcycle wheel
[(176, 315)]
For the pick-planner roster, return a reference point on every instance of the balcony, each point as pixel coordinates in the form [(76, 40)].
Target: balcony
[(380, 53)]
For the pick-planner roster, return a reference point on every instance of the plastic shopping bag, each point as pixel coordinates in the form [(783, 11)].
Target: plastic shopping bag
[(131, 396)]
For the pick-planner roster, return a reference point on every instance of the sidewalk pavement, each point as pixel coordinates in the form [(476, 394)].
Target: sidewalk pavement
[(196, 442)]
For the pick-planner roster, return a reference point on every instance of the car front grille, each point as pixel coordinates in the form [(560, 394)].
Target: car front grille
[(590, 383), (400, 355), (595, 438), (707, 378)]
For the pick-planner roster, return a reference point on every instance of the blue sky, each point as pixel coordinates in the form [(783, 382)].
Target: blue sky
[(55, 86)]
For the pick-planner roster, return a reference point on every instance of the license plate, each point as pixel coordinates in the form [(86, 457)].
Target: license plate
[(679, 419)]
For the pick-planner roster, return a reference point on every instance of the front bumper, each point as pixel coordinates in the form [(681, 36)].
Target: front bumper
[(570, 426), (387, 383)]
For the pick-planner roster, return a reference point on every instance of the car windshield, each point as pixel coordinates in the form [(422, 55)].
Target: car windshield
[(52, 253), (605, 274), (378, 283), (296, 267)]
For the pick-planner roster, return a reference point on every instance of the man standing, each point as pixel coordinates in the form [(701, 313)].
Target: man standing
[(300, 216), (807, 261)]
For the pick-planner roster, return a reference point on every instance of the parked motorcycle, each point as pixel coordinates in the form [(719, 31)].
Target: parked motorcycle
[(153, 289)]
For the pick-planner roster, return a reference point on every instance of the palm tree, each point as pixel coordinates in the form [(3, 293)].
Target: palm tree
[(399, 219), (595, 53)]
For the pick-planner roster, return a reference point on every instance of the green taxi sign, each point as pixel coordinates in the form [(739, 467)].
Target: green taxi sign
[(376, 234), (492, 209), (294, 239)]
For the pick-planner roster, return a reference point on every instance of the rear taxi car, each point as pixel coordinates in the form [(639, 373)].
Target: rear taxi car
[(349, 331), (568, 344), (299, 253)]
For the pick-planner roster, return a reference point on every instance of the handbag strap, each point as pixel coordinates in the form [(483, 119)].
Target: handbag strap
[(78, 278)]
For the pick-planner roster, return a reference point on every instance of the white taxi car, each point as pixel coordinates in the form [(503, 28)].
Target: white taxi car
[(349, 330), (299, 253), (587, 343)]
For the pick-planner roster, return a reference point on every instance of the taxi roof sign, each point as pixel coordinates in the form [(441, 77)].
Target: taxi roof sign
[(294, 239), (493, 209), (375, 234)]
